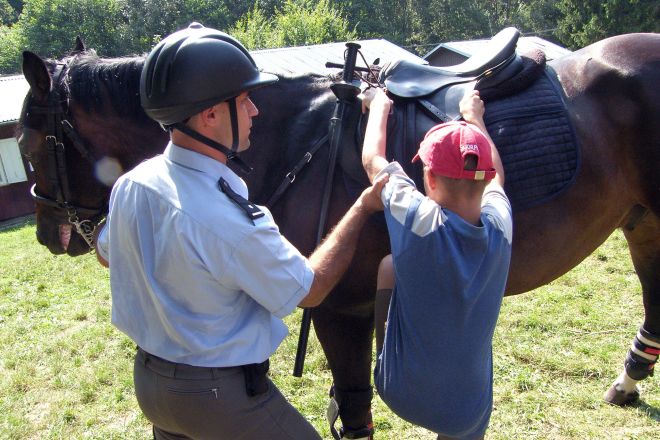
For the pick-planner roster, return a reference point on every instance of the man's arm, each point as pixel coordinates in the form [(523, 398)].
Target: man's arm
[(375, 138), (331, 259), (472, 109)]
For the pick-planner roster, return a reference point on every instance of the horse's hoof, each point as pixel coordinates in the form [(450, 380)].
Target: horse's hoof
[(615, 396)]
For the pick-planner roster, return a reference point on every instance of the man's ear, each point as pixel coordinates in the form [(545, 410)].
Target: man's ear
[(207, 116)]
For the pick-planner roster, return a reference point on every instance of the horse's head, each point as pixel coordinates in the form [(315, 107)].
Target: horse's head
[(73, 146)]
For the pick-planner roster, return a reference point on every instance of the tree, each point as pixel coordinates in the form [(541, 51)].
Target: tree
[(9, 50), (151, 20), (49, 27), (585, 21), (298, 22)]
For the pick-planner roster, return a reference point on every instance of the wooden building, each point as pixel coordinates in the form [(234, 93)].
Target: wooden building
[(15, 172)]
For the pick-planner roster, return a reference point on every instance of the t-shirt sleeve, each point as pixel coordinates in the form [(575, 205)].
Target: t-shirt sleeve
[(407, 209), (495, 204), (271, 270)]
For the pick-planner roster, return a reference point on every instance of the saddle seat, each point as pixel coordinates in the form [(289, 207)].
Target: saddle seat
[(410, 80)]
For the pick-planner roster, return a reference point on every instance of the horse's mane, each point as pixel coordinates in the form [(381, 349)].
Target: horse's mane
[(96, 82)]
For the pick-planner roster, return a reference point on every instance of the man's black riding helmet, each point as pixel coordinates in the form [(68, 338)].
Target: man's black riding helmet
[(194, 69)]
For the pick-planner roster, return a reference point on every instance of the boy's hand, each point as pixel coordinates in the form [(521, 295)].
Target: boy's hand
[(371, 196), (472, 107), (375, 99)]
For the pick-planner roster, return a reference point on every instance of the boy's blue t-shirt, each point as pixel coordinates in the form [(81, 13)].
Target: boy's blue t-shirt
[(435, 369)]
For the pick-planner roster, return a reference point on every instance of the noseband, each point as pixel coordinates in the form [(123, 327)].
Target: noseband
[(59, 128)]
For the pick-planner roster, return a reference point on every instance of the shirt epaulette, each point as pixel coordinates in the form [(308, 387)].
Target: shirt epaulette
[(252, 211)]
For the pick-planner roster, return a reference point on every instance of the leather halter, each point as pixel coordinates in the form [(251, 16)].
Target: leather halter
[(59, 128)]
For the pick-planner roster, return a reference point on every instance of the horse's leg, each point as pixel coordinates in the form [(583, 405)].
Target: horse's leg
[(344, 325), (346, 337), (644, 243)]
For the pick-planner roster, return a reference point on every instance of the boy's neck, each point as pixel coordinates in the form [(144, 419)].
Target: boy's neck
[(468, 210)]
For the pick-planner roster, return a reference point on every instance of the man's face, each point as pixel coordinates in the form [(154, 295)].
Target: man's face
[(245, 111)]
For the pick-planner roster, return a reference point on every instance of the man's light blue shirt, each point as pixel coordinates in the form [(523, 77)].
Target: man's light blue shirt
[(193, 279)]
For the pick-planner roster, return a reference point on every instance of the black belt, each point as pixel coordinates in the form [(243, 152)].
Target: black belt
[(182, 371), (256, 379)]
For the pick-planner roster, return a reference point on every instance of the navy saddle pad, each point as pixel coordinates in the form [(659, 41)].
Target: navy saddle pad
[(533, 134)]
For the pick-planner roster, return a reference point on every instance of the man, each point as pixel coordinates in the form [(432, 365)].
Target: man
[(450, 258), (200, 277)]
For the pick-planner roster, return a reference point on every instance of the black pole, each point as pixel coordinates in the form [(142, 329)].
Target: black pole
[(346, 93)]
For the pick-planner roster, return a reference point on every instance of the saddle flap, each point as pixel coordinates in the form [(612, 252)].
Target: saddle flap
[(410, 80)]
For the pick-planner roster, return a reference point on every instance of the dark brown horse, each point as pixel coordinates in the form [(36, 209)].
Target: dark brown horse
[(613, 99)]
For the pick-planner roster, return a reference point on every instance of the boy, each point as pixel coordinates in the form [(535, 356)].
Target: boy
[(450, 258)]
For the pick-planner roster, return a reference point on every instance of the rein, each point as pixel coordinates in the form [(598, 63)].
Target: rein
[(59, 128)]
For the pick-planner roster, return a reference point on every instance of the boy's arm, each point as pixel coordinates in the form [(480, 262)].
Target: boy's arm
[(472, 109), (373, 151)]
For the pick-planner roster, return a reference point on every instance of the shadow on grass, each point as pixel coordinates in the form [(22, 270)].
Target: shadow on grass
[(651, 411)]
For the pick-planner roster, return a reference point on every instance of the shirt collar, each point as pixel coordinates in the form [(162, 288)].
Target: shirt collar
[(199, 162)]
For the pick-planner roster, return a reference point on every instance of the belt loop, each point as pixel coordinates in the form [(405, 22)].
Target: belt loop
[(142, 355)]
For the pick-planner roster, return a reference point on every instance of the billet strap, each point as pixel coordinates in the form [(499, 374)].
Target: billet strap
[(252, 210), (434, 111)]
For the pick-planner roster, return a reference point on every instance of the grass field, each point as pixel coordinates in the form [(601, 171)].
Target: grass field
[(66, 373)]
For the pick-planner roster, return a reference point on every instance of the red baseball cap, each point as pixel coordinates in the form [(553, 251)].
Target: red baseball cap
[(445, 146)]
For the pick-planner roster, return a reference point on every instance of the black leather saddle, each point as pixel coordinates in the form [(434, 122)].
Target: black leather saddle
[(409, 80), (525, 115)]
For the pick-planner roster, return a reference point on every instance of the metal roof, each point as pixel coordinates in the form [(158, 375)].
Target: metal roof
[(312, 59), (12, 93), (287, 60), (525, 44)]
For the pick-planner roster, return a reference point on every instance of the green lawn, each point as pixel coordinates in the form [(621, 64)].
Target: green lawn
[(66, 373)]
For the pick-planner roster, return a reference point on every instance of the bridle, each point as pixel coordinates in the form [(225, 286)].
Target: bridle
[(59, 128)]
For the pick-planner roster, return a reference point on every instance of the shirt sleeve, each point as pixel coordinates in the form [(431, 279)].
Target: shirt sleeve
[(102, 243), (495, 204), (271, 270)]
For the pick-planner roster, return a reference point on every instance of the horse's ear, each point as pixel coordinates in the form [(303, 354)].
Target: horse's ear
[(36, 74), (80, 46)]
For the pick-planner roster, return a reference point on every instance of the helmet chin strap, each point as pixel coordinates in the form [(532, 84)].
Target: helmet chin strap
[(232, 154), (233, 117)]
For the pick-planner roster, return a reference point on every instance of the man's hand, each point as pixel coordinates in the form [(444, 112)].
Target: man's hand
[(371, 196)]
